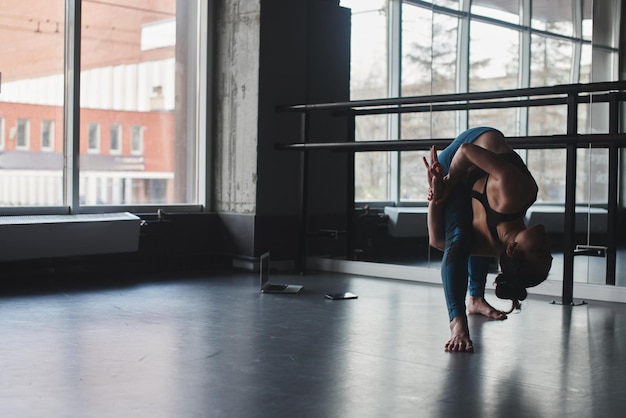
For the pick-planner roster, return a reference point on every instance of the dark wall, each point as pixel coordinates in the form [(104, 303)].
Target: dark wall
[(304, 58)]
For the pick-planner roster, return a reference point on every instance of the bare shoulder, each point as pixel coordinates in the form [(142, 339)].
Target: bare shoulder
[(494, 141), (510, 192)]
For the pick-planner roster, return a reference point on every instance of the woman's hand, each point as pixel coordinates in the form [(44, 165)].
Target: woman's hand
[(434, 171)]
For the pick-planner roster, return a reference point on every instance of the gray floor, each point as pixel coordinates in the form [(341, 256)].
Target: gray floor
[(210, 345)]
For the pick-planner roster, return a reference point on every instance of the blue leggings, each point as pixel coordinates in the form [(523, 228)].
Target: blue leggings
[(458, 266)]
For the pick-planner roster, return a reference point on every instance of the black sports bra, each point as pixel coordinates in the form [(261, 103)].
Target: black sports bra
[(493, 217)]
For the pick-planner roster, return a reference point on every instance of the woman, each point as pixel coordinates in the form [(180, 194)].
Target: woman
[(480, 191)]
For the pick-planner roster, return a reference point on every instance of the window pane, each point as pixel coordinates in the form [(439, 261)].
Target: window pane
[(132, 70), (553, 16), (368, 79), (94, 138), (494, 57), (413, 184), (592, 168), (506, 120), (417, 53), (450, 4), (368, 60), (547, 120), (551, 61), (429, 60), (417, 68), (371, 168), (2, 136), (548, 165), (371, 176), (444, 53), (31, 103), (116, 139), (429, 56), (442, 125), (136, 144), (47, 135), (504, 10), (23, 134), (548, 168)]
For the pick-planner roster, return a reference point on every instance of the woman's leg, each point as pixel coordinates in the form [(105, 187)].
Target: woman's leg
[(469, 136), (458, 243), (477, 268)]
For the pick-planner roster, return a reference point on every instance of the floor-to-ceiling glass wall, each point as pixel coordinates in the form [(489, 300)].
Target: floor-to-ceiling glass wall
[(438, 47)]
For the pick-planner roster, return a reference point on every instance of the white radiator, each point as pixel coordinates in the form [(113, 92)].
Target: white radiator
[(48, 236)]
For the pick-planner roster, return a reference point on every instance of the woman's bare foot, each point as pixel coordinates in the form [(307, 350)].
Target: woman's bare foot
[(459, 336), (479, 306)]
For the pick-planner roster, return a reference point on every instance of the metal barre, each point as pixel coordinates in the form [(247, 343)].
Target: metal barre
[(570, 95), (527, 142), (561, 89)]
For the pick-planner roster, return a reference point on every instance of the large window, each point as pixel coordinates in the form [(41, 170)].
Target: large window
[(47, 135), (93, 138), (409, 48), (368, 79), (1, 133), (22, 141), (139, 74), (115, 141), (136, 140)]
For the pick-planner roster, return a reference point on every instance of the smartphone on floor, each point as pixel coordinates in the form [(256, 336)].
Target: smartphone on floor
[(339, 296)]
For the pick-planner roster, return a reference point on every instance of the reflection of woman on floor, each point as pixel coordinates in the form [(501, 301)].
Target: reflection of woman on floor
[(479, 192)]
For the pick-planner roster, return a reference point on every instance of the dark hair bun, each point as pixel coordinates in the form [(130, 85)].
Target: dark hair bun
[(506, 290)]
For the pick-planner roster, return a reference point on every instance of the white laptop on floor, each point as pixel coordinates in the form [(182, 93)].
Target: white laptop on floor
[(266, 286)]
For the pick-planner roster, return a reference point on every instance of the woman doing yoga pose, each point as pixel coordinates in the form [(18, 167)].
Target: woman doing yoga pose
[(480, 190)]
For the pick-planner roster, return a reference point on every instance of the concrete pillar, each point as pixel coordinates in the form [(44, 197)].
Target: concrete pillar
[(271, 53)]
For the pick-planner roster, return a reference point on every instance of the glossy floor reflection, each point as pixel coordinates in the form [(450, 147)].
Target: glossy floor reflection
[(211, 345), (587, 269)]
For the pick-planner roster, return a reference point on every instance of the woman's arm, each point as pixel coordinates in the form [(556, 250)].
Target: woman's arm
[(470, 155), (511, 187), (434, 171), (436, 236)]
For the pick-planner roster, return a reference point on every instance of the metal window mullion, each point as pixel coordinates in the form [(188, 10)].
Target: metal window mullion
[(71, 108), (394, 54), (577, 17), (204, 77), (524, 67), (462, 62)]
